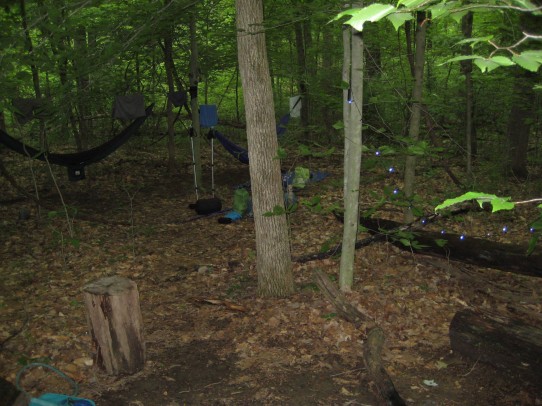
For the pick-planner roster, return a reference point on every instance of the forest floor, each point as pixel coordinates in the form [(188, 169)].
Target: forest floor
[(210, 339)]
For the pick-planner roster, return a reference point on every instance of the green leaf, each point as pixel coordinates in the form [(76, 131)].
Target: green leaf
[(527, 63), (486, 65), (502, 60), (458, 15), (474, 41), (410, 3), (373, 13), (281, 153), (461, 58), (339, 125), (345, 85), (441, 242), (398, 19), (497, 203)]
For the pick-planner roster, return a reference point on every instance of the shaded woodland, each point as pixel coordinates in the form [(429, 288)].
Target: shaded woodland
[(126, 131)]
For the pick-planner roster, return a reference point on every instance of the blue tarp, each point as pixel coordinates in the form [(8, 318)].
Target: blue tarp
[(208, 115)]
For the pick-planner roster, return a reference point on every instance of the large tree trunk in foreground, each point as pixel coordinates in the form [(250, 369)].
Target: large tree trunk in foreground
[(507, 344), (273, 262)]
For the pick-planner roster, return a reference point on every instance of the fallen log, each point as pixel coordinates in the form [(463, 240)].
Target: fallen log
[(507, 344), (374, 337), (470, 250)]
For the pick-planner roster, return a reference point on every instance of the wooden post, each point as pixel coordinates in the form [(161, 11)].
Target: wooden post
[(115, 321)]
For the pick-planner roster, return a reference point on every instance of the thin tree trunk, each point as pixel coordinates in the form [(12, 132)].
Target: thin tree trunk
[(523, 106), (302, 75), (415, 118), (80, 63), (194, 103), (168, 61), (519, 122), (273, 263), (466, 68), (353, 65), (34, 70)]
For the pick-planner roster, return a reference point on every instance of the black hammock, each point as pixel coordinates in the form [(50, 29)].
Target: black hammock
[(76, 162)]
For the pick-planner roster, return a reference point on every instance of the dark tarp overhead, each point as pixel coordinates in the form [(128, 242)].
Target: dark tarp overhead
[(178, 98), (129, 107)]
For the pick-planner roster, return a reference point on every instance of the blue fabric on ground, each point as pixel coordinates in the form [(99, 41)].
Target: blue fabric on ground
[(233, 216)]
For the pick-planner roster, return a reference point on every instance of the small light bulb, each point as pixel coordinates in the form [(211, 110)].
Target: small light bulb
[(462, 237), (377, 153), (395, 191), (424, 221), (532, 230), (505, 229), (443, 231), (391, 169)]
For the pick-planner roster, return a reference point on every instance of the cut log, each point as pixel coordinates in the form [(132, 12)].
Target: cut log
[(374, 340), (470, 250), (507, 344), (115, 321)]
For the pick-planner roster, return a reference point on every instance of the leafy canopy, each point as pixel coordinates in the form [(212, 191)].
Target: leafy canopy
[(405, 9)]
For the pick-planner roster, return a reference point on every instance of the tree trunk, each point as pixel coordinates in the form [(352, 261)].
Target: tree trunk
[(523, 105), (302, 75), (194, 103), (466, 68), (169, 65), (34, 70), (352, 111), (273, 263), (80, 63), (519, 122), (416, 106)]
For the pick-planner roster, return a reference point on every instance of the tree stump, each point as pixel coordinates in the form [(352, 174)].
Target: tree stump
[(115, 321)]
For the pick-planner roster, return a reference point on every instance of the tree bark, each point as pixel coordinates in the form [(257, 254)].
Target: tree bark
[(416, 106), (352, 111), (83, 81), (273, 263), (519, 122), (34, 70), (466, 68), (523, 105), (116, 324)]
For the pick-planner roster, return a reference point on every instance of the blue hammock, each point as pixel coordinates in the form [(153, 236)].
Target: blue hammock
[(241, 153)]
